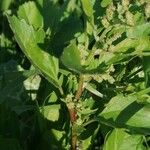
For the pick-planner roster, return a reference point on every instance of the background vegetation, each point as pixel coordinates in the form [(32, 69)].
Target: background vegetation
[(74, 74)]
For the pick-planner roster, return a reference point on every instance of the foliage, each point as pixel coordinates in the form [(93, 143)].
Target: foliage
[(75, 74)]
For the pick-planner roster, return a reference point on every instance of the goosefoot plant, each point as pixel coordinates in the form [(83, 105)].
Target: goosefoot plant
[(95, 57)]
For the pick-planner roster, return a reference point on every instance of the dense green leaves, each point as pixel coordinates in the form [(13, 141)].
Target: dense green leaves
[(74, 74)]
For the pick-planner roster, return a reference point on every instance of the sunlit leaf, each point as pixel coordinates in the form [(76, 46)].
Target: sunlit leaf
[(33, 18), (118, 139), (51, 112), (105, 3), (126, 111), (29, 40)]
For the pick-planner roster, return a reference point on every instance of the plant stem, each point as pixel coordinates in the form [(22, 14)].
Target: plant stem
[(80, 86), (73, 114)]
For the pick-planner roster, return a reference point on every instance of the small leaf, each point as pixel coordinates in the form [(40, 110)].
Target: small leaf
[(105, 3), (94, 91), (71, 58), (88, 111), (88, 8), (51, 112)]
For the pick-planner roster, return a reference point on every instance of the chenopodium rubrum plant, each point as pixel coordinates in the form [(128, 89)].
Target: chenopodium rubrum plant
[(95, 55)]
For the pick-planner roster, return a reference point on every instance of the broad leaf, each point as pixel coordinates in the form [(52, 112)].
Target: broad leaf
[(126, 111), (118, 139), (30, 42)]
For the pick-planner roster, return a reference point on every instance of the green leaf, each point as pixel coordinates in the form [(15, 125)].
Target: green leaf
[(51, 112), (58, 134), (139, 31), (105, 3), (93, 90), (71, 58), (4, 4), (125, 45), (143, 45), (88, 111), (30, 40), (33, 18), (118, 139), (88, 8), (126, 111), (146, 66)]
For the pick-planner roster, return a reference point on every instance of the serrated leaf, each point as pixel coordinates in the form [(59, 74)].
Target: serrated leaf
[(118, 139), (126, 111), (105, 3), (33, 18), (51, 112), (29, 40)]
